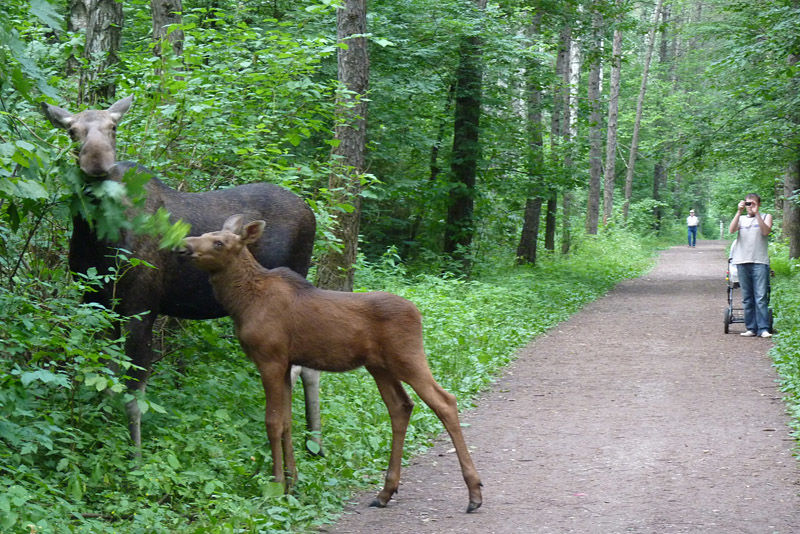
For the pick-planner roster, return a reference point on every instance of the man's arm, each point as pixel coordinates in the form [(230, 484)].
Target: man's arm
[(765, 223), (734, 227)]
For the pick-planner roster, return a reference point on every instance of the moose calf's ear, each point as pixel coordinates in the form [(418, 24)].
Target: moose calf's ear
[(252, 232), (234, 224)]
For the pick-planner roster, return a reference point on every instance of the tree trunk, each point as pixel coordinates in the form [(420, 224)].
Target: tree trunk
[(639, 108), (526, 251), (101, 22), (529, 240), (791, 183), (611, 133), (667, 71), (550, 222), (595, 132), (459, 229), (791, 210), (167, 15), (559, 124), (659, 177), (336, 266), (572, 77)]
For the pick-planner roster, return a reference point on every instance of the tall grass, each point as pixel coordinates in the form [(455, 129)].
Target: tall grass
[(204, 464)]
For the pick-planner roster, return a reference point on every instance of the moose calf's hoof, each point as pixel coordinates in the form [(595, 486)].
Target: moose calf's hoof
[(376, 503), (473, 506)]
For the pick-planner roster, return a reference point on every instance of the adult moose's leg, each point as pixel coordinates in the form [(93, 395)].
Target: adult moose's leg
[(444, 406), (310, 378), (399, 405), (139, 348)]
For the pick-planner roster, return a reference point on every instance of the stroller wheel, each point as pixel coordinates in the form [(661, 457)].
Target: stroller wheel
[(727, 319)]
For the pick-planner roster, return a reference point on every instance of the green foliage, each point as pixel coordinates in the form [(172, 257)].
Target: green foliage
[(252, 99), (785, 301), (65, 462)]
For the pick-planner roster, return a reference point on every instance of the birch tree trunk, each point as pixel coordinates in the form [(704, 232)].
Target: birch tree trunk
[(572, 77), (101, 22), (613, 110), (167, 15), (336, 266), (559, 118), (639, 108)]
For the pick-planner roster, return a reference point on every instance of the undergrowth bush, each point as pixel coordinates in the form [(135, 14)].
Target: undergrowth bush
[(65, 461), (785, 301)]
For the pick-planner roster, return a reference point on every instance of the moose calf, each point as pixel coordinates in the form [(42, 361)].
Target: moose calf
[(282, 320)]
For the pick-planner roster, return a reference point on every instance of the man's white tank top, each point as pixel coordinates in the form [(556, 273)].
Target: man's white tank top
[(751, 245)]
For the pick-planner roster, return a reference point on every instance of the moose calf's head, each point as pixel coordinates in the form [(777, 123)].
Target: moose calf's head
[(213, 251), (95, 131)]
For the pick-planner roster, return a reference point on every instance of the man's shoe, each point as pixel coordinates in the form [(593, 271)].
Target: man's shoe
[(749, 333), (765, 334)]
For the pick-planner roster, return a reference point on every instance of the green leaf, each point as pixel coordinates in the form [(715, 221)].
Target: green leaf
[(46, 12), (313, 447), (382, 42), (44, 376), (23, 189), (156, 407), (271, 490), (173, 462)]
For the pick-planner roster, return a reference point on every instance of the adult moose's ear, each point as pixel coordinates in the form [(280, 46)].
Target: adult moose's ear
[(58, 117), (253, 231), (234, 224), (119, 108)]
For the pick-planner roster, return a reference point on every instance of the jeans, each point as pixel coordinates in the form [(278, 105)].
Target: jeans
[(754, 281), (692, 236)]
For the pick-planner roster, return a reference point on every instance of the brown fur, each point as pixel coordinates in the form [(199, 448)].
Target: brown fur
[(283, 320)]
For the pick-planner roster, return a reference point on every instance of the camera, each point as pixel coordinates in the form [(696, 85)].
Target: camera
[(748, 203)]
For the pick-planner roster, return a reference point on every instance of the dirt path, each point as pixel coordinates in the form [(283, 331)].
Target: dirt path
[(637, 415)]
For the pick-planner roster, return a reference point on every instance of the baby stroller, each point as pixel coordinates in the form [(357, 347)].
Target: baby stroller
[(733, 314)]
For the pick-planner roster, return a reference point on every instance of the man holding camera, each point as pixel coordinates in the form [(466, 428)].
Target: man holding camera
[(752, 262)]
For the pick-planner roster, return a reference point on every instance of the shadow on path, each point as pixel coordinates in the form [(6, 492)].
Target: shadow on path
[(638, 414)]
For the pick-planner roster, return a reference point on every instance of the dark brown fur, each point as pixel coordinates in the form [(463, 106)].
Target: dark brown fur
[(282, 320)]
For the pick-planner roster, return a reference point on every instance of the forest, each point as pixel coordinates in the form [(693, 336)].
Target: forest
[(499, 163)]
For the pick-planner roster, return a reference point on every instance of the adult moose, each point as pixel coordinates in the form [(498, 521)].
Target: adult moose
[(282, 320), (175, 287)]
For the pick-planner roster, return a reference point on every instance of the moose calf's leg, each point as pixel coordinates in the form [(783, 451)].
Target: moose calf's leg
[(444, 406), (289, 467), (275, 379), (400, 406)]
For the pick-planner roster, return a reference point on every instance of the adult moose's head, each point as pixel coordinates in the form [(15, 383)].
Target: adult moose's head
[(95, 131)]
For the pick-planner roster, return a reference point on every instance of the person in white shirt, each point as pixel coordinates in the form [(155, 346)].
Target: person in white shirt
[(750, 256), (692, 222)]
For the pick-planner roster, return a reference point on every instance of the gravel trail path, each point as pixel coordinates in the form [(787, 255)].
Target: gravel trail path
[(637, 415)]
